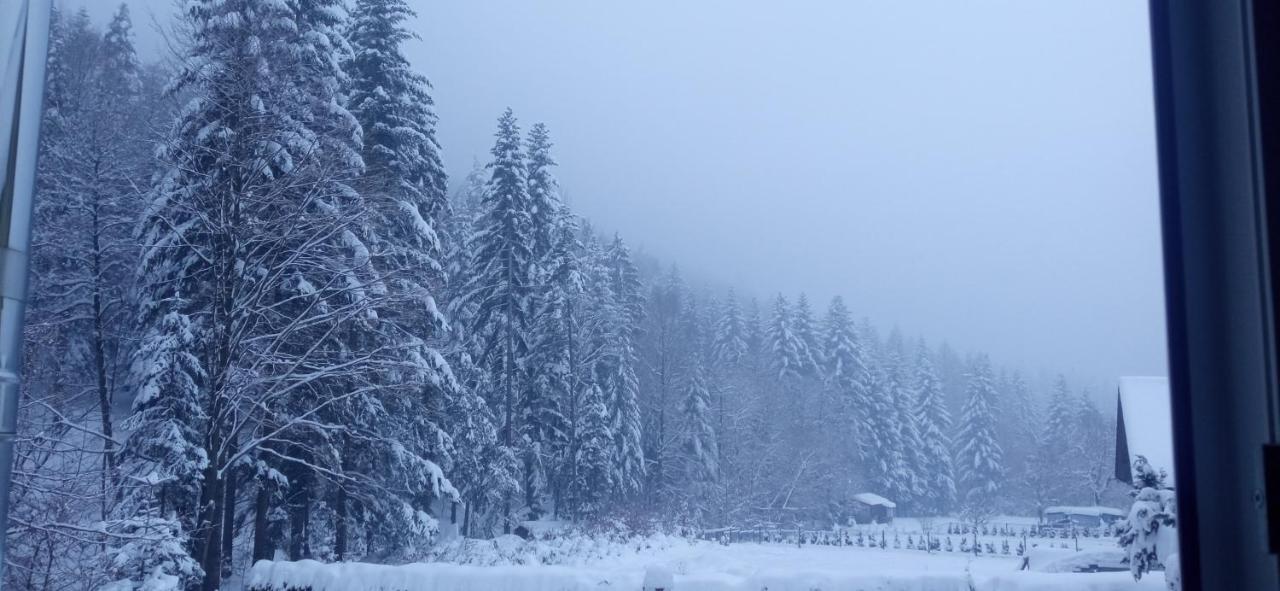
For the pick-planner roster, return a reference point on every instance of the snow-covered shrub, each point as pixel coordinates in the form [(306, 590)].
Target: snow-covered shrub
[(152, 555), (1150, 534)]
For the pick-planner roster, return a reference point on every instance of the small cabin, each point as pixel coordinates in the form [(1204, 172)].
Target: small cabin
[(1144, 426), (872, 508), (1095, 516)]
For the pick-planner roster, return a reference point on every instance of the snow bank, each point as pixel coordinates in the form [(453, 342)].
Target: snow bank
[(314, 576), (1025, 581), (1057, 560), (351, 576)]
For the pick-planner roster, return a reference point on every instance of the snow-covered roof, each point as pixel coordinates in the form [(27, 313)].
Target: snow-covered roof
[(1148, 420), (1096, 511), (867, 498)]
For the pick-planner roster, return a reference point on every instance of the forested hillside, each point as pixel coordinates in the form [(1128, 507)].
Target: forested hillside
[(264, 322)]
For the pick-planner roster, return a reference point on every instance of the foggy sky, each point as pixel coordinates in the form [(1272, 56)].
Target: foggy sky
[(976, 172)]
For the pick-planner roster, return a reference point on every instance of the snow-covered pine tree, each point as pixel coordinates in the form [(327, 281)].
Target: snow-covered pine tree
[(593, 458), (699, 444), (554, 252), (403, 188), (883, 461), (501, 283), (908, 484), (730, 342), (787, 354), (979, 459), (151, 554), (485, 471), (935, 427), (560, 361), (666, 350), (802, 325), (1057, 439), (1061, 417), (544, 192), (618, 371), (249, 240), (848, 374)]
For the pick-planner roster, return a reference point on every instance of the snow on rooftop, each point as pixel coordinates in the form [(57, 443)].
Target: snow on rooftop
[(1095, 511), (867, 498), (1148, 420)]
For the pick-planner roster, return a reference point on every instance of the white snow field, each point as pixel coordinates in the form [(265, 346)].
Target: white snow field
[(699, 566)]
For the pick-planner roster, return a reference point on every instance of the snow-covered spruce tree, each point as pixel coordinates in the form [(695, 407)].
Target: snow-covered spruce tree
[(577, 327), (546, 210), (152, 553), (802, 325), (788, 356), (883, 461), (559, 370), (617, 371), (665, 353), (593, 459), (1020, 426), (979, 459), (728, 367), (848, 374), (1057, 440), (403, 189), (935, 428), (554, 251), (500, 285), (729, 344), (698, 445), (485, 471), (252, 241), (907, 484)]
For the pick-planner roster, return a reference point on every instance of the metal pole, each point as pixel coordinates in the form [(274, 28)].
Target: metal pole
[(24, 47)]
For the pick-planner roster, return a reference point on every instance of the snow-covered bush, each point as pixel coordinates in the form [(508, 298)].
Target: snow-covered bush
[(152, 556), (1150, 534)]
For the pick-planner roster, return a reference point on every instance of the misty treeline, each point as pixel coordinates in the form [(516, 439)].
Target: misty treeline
[(262, 325)]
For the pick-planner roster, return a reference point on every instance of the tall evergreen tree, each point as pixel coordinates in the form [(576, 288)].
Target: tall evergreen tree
[(403, 188), (702, 457), (244, 237), (730, 342), (787, 353), (979, 460), (935, 427), (502, 272), (618, 373), (806, 334), (848, 373)]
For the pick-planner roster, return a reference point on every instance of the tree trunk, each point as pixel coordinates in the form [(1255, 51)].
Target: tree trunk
[(100, 368), (263, 540), (340, 525), (210, 554), (229, 521), (340, 508)]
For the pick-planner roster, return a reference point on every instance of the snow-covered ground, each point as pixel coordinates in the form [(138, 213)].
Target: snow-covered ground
[(695, 566)]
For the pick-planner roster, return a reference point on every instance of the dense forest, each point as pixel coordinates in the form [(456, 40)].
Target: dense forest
[(264, 323)]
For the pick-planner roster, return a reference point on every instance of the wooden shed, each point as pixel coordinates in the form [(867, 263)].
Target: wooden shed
[(872, 508)]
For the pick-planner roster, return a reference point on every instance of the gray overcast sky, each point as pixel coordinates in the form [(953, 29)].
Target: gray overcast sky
[(979, 172)]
